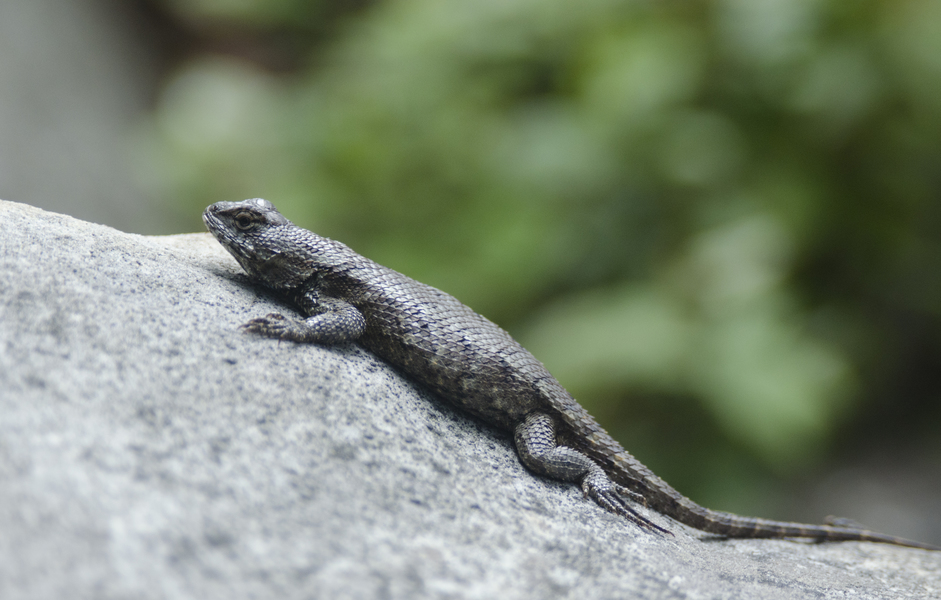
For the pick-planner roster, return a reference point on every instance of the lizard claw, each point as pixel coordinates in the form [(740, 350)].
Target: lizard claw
[(273, 325), (609, 496)]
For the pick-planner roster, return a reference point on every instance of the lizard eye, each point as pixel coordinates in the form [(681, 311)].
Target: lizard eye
[(244, 221)]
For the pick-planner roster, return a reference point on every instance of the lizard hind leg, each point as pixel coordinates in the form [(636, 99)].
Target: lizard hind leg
[(538, 449)]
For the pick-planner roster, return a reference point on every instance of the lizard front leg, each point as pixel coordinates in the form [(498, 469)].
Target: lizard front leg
[(332, 321), (538, 449)]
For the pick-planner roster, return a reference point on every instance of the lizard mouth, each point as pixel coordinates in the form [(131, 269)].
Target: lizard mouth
[(212, 222), (242, 249)]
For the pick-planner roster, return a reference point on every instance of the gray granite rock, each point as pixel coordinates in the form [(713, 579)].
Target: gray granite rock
[(148, 449)]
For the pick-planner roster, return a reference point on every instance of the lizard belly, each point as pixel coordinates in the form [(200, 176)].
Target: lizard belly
[(487, 386)]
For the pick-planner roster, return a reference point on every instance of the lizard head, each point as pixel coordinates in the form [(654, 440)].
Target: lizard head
[(261, 239)]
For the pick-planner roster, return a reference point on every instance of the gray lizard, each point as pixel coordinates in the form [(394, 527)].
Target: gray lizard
[(468, 361)]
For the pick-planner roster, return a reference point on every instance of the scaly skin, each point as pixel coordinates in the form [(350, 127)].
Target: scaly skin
[(467, 360)]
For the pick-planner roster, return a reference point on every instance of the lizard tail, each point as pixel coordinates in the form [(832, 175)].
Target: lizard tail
[(729, 525), (661, 497)]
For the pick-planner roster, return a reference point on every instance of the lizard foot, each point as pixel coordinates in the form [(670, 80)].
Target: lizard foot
[(608, 496), (275, 325), (635, 496)]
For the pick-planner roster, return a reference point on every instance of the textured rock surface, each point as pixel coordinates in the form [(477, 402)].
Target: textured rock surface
[(150, 450)]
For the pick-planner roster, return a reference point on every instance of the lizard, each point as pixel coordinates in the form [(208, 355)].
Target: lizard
[(470, 362)]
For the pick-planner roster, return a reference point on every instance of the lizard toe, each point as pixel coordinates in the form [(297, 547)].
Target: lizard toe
[(273, 326), (629, 493), (608, 495)]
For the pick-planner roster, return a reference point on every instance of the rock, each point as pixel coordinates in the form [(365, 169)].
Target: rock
[(148, 449)]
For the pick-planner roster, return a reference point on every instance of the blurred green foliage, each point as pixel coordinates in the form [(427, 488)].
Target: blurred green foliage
[(717, 222)]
